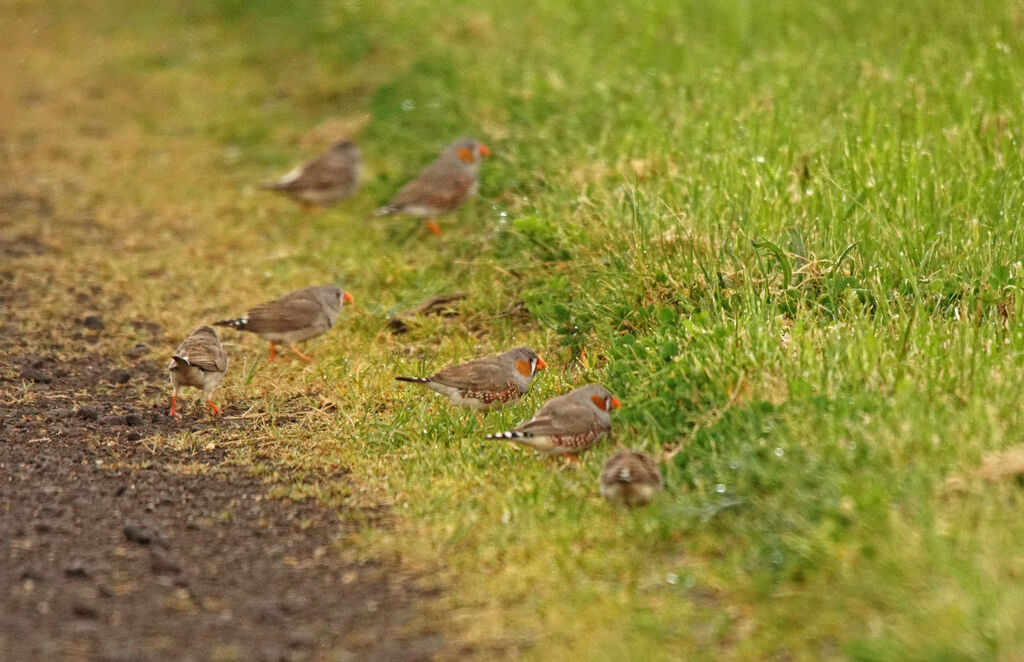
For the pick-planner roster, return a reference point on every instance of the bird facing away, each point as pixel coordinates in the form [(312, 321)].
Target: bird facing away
[(293, 317), (630, 478), (323, 180), (200, 362), (568, 424), (442, 186), (486, 383)]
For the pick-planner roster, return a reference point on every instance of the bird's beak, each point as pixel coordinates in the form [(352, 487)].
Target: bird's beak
[(348, 298), (615, 403), (484, 150), (540, 364)]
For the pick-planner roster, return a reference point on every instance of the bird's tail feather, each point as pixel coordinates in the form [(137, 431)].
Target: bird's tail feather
[(414, 380), (510, 434), (240, 323), (387, 210)]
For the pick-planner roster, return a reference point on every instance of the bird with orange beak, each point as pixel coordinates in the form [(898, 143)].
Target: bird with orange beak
[(486, 383), (567, 425), (442, 186), (293, 317)]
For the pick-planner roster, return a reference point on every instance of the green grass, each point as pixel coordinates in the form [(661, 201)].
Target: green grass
[(787, 236)]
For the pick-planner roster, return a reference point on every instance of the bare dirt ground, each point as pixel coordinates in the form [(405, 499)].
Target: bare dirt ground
[(126, 534), (115, 546)]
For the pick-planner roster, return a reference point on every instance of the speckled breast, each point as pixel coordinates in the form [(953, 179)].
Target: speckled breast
[(510, 393), (575, 443)]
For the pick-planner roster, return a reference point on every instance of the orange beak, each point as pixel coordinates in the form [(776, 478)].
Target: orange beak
[(348, 298), (540, 364), (484, 149), (615, 403)]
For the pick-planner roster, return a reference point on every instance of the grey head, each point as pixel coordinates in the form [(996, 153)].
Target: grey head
[(598, 398), (347, 150), (330, 298), (466, 154), (205, 331), (523, 363)]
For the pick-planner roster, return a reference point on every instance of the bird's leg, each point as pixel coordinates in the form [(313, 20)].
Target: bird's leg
[(301, 355), (273, 352), (432, 227), (174, 402), (569, 462), (213, 408)]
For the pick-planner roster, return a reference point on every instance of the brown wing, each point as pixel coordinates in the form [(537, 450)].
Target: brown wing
[(562, 417), (203, 352), (629, 467), (646, 470), (478, 375), (439, 186), (291, 312), (326, 171)]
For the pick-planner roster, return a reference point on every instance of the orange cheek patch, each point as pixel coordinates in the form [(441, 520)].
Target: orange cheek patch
[(598, 401), (466, 155), (523, 367)]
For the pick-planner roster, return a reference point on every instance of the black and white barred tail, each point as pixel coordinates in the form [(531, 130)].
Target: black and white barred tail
[(179, 362), (240, 323), (387, 210), (414, 380), (510, 434), (623, 476)]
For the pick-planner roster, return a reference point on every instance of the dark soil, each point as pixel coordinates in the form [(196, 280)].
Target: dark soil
[(114, 547)]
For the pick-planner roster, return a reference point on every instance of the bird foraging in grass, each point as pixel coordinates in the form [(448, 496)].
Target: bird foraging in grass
[(199, 362), (485, 383), (293, 317), (323, 180), (567, 425), (630, 478), (442, 186)]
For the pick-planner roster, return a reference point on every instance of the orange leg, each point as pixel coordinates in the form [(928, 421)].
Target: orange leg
[(432, 227), (273, 352), (301, 355), (174, 401), (214, 408), (571, 457)]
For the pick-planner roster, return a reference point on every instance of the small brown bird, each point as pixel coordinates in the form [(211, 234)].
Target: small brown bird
[(325, 179), (630, 478), (485, 383), (293, 317), (568, 424), (442, 186), (200, 362)]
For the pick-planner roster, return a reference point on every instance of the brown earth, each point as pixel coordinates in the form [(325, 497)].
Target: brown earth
[(115, 546), (125, 534)]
